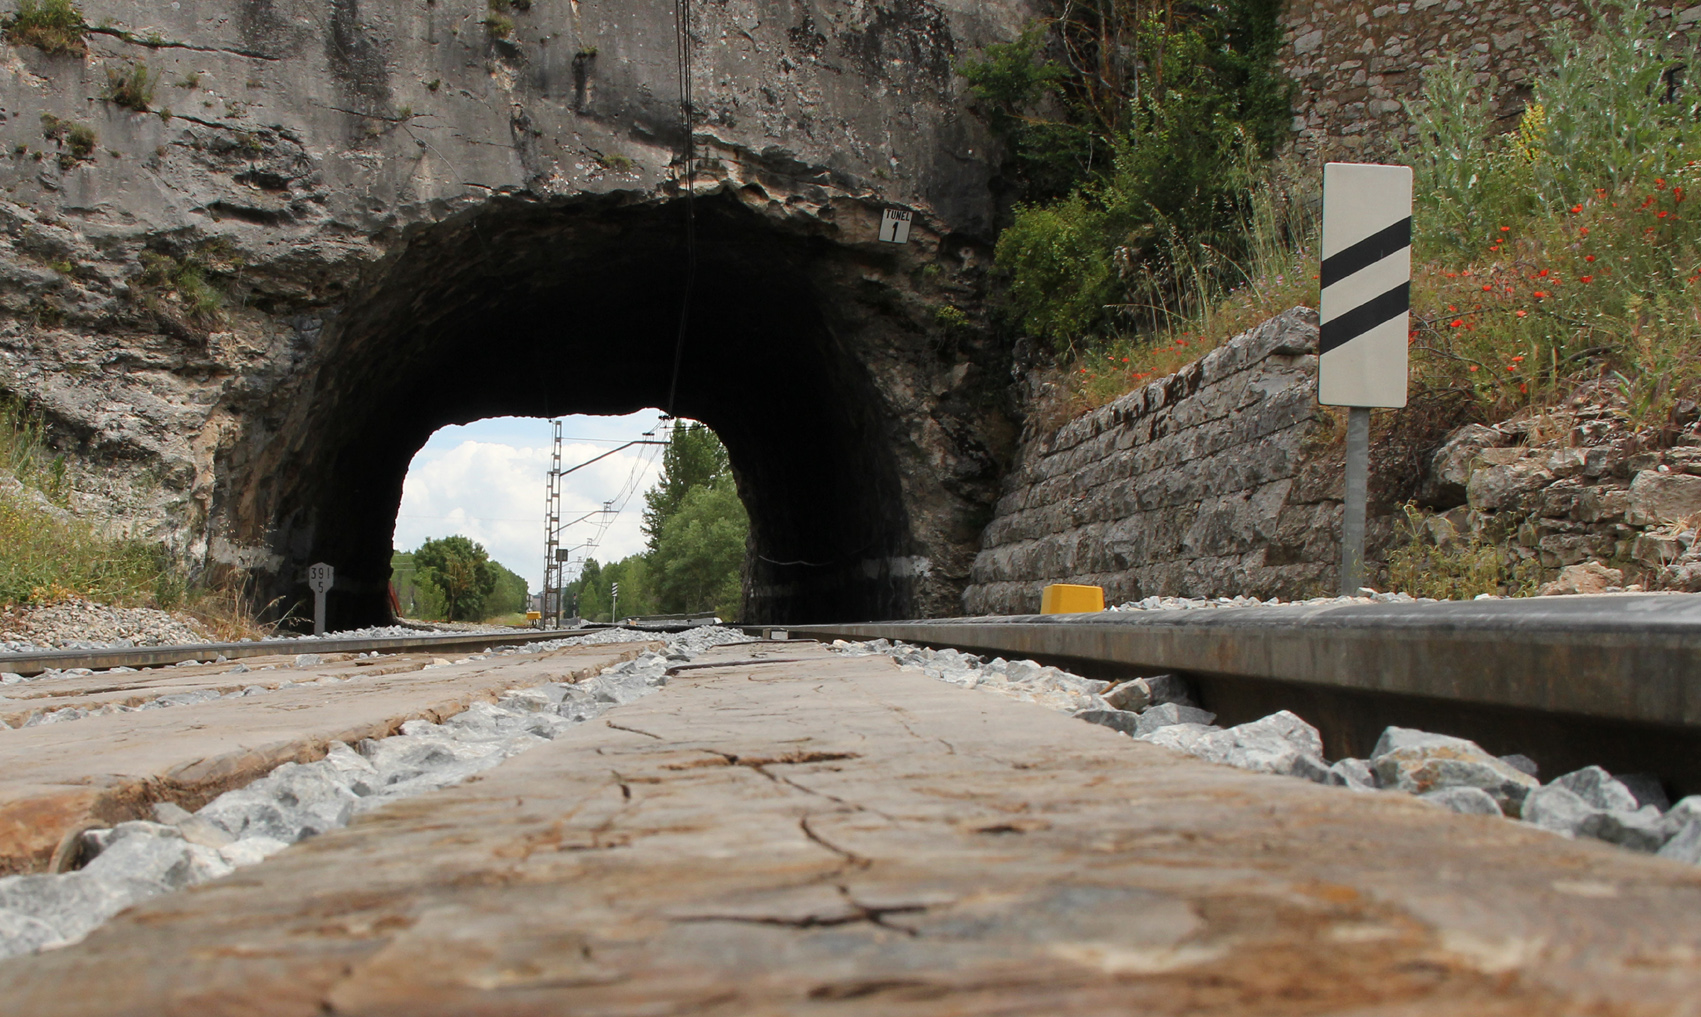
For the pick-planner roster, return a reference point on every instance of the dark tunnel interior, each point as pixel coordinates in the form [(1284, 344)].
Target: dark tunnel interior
[(530, 311)]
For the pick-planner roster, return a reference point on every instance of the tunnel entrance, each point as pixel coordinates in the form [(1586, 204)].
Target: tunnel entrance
[(524, 309)]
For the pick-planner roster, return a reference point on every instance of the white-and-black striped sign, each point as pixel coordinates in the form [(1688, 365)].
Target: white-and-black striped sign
[(1367, 281)]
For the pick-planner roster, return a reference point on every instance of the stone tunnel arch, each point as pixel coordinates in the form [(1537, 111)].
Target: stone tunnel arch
[(532, 309)]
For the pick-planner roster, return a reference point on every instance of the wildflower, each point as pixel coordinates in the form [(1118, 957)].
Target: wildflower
[(1659, 183), (1585, 278), (1600, 192), (1125, 360), (1540, 294), (1505, 229), (1583, 230), (1522, 313), (1518, 359), (1181, 342), (1472, 368), (1456, 323), (1511, 367), (1645, 204), (1588, 257), (1576, 208), (1450, 307), (1677, 194), (1523, 387), (1542, 273), (1486, 288), (1662, 215)]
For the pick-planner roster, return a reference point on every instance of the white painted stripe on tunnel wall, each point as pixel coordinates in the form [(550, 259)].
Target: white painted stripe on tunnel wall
[(1366, 275)]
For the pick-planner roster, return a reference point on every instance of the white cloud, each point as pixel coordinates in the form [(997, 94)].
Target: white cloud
[(493, 492)]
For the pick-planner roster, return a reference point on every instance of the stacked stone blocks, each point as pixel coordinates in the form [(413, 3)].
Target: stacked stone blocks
[(1193, 484)]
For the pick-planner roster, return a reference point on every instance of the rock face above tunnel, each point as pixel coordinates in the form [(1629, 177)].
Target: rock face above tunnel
[(338, 225)]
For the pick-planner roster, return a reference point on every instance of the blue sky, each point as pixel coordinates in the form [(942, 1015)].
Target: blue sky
[(485, 480)]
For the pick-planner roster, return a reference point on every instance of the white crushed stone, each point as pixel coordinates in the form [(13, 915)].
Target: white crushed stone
[(1454, 773), (137, 860), (1194, 603)]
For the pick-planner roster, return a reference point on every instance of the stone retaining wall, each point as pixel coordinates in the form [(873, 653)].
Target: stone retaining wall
[(1198, 484), (1354, 61)]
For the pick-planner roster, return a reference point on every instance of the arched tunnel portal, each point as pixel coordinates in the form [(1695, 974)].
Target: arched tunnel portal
[(861, 449)]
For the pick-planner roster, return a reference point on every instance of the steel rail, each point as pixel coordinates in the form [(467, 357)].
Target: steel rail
[(1627, 657), (34, 663), (1613, 679)]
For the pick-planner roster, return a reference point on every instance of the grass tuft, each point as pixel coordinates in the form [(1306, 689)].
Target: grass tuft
[(55, 27), (132, 87)]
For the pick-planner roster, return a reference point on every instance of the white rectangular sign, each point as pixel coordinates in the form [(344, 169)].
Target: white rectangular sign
[(320, 577), (1367, 278), (895, 226)]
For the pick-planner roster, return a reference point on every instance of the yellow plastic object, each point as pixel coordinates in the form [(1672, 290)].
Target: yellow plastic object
[(533, 615), (1063, 598)]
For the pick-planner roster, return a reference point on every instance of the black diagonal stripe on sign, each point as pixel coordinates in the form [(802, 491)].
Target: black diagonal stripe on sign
[(1365, 317), (1367, 252)]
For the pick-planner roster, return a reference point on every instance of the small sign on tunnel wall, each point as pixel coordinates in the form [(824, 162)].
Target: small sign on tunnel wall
[(895, 226)]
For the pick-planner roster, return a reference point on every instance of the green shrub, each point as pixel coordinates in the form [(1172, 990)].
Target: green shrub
[(184, 281), (52, 26), (77, 142), (1135, 154), (1567, 250), (132, 87), (46, 554)]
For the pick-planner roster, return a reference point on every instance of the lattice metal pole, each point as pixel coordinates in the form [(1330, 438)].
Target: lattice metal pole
[(550, 608)]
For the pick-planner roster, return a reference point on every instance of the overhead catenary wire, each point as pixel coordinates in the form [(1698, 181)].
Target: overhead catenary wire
[(682, 58)]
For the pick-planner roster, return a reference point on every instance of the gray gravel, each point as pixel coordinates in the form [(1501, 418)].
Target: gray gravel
[(82, 625), (137, 860), (1453, 773)]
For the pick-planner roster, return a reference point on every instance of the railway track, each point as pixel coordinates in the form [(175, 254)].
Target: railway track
[(37, 662), (780, 828), (1569, 681)]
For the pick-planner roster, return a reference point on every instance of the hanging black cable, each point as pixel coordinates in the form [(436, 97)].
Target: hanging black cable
[(682, 33)]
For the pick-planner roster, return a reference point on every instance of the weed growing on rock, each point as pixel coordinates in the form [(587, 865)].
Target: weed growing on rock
[(496, 20), (52, 26), (167, 284), (76, 141), (132, 87)]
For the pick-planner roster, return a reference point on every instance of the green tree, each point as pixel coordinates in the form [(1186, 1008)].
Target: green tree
[(700, 552), (1135, 129), (461, 572), (694, 457), (510, 594), (594, 589)]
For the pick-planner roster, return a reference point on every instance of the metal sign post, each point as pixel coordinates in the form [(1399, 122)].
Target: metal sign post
[(319, 579), (1366, 277)]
